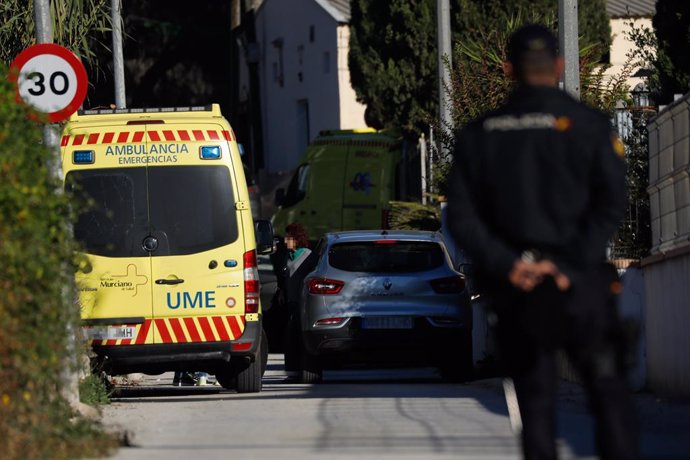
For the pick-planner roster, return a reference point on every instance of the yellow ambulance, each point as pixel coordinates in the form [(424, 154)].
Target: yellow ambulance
[(169, 280), (345, 181)]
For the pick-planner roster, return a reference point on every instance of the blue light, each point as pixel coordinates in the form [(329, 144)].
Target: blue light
[(230, 263), (83, 157), (210, 152)]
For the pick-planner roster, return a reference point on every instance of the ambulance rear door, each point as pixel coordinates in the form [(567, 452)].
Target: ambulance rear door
[(369, 180), (199, 214), (114, 275)]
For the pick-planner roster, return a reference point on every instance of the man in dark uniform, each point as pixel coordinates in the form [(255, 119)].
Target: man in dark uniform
[(536, 192)]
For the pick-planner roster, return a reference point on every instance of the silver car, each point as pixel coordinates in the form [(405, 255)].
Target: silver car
[(383, 298)]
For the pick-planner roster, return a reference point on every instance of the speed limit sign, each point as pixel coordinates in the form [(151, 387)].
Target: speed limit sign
[(51, 79)]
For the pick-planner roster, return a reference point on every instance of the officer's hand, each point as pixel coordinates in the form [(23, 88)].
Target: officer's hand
[(526, 275)]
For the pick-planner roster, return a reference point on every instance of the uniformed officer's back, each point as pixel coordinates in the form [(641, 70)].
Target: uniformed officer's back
[(537, 155)]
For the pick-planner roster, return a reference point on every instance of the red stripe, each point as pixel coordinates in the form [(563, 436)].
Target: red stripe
[(153, 135), (220, 328), (213, 135), (169, 136), (243, 321), (122, 138), (198, 134), (138, 136), (227, 136), (108, 138), (93, 139), (126, 341), (191, 328), (206, 328), (111, 342), (65, 141), (143, 332), (78, 139), (163, 331), (177, 329), (184, 135), (234, 327)]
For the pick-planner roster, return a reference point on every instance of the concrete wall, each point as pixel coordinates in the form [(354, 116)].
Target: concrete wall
[(667, 270)]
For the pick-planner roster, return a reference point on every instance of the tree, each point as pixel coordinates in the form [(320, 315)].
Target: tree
[(393, 57), (672, 28), (393, 61), (75, 23)]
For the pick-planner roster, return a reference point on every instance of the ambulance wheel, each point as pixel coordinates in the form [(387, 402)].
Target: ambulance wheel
[(227, 379), (249, 375)]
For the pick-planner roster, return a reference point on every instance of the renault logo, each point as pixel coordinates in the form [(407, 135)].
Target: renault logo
[(387, 284)]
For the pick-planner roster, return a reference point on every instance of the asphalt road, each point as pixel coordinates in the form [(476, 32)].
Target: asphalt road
[(363, 414)]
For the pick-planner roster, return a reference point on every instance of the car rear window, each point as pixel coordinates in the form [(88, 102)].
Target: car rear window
[(398, 257)]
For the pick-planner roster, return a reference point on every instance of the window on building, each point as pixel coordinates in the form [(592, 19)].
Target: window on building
[(312, 34)]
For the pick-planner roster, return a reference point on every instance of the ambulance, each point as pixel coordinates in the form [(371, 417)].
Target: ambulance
[(345, 181), (169, 278)]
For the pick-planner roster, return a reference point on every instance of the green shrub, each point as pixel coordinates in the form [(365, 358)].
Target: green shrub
[(36, 292), (406, 215)]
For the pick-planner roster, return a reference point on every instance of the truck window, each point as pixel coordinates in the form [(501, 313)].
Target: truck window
[(297, 189)]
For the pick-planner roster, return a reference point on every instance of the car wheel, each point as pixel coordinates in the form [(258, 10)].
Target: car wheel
[(310, 371), (459, 367)]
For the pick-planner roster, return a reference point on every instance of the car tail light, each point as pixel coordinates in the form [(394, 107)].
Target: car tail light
[(241, 346), (449, 285), (251, 283), (325, 286), (329, 321), (386, 242)]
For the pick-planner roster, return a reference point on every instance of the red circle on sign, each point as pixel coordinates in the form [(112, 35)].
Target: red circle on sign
[(61, 52)]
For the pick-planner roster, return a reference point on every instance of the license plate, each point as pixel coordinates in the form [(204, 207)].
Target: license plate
[(387, 322), (110, 332)]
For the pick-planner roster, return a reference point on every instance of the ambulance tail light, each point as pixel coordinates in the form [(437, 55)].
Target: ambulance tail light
[(251, 283), (83, 157)]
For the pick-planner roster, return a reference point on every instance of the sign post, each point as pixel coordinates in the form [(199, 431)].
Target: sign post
[(51, 79)]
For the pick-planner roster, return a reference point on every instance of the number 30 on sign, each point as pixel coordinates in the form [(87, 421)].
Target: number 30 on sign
[(51, 79)]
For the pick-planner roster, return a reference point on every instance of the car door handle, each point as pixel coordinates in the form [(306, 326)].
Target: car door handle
[(164, 281)]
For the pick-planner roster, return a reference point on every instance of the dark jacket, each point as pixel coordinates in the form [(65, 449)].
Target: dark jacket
[(542, 172)]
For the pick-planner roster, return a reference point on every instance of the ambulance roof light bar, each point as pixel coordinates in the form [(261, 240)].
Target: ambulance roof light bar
[(202, 108)]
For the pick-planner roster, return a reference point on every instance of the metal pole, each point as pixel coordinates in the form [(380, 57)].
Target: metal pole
[(70, 380), (568, 41), (444, 52), (118, 60)]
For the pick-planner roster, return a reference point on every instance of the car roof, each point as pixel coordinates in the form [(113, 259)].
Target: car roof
[(372, 235)]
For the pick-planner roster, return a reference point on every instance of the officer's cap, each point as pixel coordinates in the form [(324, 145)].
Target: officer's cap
[(532, 42)]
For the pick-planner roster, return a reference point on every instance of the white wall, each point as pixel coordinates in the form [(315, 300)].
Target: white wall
[(667, 271), (621, 46), (322, 76), (351, 111)]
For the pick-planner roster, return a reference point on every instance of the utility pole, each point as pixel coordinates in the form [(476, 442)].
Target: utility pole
[(69, 376), (568, 42), (118, 59), (444, 52)]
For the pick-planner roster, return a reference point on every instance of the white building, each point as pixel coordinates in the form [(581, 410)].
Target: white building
[(304, 80), (623, 14)]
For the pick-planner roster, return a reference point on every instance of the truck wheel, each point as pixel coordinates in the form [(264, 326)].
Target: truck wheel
[(227, 379)]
